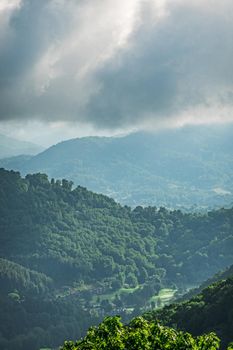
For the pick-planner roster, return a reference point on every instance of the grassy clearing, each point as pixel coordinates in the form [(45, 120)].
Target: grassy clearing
[(111, 296), (166, 294), (164, 297), (128, 290)]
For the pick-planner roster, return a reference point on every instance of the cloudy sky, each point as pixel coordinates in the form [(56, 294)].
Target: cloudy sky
[(82, 67)]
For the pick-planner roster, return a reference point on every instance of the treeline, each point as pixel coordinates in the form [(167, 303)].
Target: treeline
[(140, 334)]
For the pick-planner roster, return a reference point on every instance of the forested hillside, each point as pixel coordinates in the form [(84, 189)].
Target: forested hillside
[(63, 233), (222, 275), (211, 310), (66, 249), (173, 168)]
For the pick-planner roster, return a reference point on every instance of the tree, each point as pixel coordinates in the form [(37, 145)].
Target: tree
[(140, 334), (67, 185)]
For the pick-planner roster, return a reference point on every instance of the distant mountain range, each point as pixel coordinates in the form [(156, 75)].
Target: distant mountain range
[(10, 147), (186, 167)]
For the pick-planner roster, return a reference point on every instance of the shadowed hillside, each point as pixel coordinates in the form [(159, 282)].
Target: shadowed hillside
[(212, 309)]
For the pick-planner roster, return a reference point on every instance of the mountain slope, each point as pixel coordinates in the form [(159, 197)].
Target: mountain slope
[(51, 228), (222, 275), (14, 276), (212, 309), (10, 147), (174, 168)]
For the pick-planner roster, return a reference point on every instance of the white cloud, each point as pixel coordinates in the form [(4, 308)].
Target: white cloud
[(95, 31), (7, 6), (113, 64), (49, 133)]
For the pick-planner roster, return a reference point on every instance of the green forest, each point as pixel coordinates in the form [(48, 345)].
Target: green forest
[(69, 257), (140, 335), (212, 309)]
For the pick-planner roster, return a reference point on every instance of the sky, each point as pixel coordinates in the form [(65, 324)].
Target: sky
[(71, 68)]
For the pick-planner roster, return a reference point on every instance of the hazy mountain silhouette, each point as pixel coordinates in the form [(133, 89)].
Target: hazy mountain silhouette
[(182, 167)]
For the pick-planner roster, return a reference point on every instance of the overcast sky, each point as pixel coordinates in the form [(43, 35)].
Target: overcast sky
[(83, 67)]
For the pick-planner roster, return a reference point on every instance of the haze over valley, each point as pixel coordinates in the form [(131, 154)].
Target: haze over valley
[(187, 168)]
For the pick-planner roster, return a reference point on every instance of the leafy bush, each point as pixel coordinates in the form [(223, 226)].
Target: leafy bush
[(140, 334)]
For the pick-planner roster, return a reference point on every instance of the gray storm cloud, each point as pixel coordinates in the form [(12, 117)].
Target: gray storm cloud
[(112, 64)]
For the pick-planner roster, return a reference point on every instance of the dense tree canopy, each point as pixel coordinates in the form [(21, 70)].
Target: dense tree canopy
[(61, 246), (76, 234), (212, 309), (140, 335)]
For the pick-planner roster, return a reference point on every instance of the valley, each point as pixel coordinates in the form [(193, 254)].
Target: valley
[(84, 256)]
